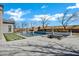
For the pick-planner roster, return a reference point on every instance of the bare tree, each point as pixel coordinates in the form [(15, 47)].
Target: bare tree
[(67, 19), (22, 25), (44, 21)]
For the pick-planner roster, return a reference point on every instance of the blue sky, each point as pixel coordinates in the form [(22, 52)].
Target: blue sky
[(28, 12)]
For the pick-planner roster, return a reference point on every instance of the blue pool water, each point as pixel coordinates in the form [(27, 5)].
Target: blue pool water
[(29, 34)]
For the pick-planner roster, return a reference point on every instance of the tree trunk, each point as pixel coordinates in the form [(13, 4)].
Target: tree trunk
[(43, 28), (65, 28)]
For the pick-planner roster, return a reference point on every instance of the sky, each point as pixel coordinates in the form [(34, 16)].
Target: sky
[(31, 12)]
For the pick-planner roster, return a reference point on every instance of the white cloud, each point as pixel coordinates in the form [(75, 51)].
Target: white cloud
[(55, 16), (69, 14), (44, 6), (38, 17), (58, 15), (51, 17), (17, 14), (72, 7)]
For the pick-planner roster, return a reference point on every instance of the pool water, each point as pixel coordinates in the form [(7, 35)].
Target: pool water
[(29, 34)]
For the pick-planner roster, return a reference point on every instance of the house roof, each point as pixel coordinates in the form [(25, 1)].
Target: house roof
[(8, 22)]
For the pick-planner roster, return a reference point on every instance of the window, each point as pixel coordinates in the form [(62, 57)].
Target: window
[(9, 28)]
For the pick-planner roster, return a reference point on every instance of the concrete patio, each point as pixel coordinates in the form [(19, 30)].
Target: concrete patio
[(41, 46)]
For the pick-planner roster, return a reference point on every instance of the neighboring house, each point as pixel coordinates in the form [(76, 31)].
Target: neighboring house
[(5, 26), (8, 27)]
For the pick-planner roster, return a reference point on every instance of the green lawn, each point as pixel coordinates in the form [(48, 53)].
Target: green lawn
[(12, 36)]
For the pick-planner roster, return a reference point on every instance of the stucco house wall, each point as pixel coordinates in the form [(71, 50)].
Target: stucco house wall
[(5, 28)]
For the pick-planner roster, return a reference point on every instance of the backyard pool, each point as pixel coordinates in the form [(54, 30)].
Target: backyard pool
[(40, 33), (29, 34)]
